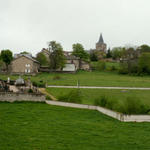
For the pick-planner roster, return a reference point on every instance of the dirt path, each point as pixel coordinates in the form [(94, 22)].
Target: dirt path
[(42, 90)]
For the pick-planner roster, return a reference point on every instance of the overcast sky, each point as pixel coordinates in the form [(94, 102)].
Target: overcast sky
[(29, 24)]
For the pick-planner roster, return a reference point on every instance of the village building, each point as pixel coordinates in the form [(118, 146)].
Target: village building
[(78, 64), (73, 63), (24, 64)]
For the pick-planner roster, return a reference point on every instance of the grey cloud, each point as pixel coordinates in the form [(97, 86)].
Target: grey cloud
[(29, 24)]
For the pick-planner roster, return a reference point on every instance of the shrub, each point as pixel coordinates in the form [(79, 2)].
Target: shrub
[(56, 77), (74, 96), (123, 69), (101, 65), (129, 106), (30, 91), (144, 64), (38, 84), (48, 97), (110, 104), (103, 101), (133, 105), (112, 68)]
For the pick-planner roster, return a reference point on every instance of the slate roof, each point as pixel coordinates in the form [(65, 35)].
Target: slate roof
[(27, 56), (101, 39)]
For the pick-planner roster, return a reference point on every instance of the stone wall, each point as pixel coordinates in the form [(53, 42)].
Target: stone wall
[(111, 113), (11, 97)]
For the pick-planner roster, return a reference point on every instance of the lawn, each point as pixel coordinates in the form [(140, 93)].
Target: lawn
[(89, 79), (38, 126), (89, 95)]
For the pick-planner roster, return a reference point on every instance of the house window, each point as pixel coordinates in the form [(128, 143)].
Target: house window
[(27, 65), (27, 70)]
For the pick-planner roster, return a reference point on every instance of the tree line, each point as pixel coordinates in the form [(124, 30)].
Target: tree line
[(133, 60)]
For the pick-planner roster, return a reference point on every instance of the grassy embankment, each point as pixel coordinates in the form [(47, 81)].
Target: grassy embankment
[(39, 126), (117, 97), (89, 95)]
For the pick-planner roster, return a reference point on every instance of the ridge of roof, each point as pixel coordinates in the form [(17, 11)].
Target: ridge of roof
[(31, 58)]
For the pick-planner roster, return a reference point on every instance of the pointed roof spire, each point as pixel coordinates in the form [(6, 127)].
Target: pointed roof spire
[(101, 39)]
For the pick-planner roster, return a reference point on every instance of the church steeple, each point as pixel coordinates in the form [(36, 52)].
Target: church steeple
[(101, 39), (100, 45)]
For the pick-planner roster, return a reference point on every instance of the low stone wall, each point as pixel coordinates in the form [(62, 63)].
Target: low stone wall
[(136, 118), (113, 114), (11, 97), (110, 113)]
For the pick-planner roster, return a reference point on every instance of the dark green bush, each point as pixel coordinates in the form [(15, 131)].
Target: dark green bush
[(123, 69), (112, 68), (144, 63), (48, 97), (111, 104), (101, 65), (102, 101), (30, 91), (133, 105), (74, 96), (38, 84)]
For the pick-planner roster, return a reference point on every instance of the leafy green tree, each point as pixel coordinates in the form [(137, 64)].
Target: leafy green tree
[(144, 48), (93, 56), (57, 58), (101, 65), (7, 57), (109, 54), (24, 52), (118, 52), (144, 64), (2, 64), (129, 61), (78, 51), (42, 59)]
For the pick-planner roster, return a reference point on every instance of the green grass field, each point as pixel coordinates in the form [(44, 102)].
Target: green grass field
[(90, 78), (38, 126), (89, 95)]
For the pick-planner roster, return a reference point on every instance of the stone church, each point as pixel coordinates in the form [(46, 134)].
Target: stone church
[(100, 45)]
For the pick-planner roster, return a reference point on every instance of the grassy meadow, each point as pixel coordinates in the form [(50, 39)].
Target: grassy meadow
[(89, 95), (38, 126), (95, 78)]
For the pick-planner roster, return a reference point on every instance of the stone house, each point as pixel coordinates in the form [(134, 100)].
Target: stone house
[(70, 59), (84, 65), (24, 64), (79, 64)]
